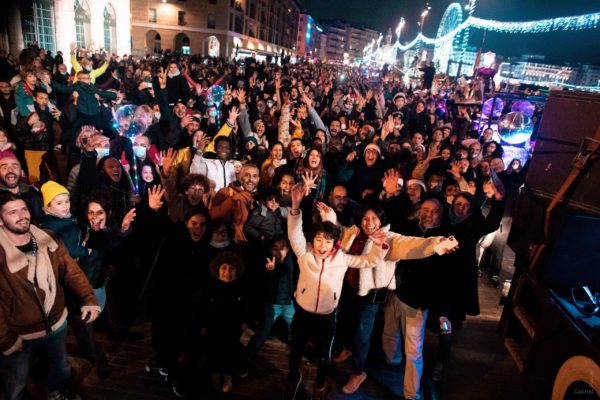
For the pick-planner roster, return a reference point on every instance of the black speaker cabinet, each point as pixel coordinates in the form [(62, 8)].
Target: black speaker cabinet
[(568, 118)]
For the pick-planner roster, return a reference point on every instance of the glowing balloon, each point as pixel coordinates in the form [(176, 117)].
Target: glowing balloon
[(215, 94), (523, 106), (515, 128), (487, 108), (131, 121)]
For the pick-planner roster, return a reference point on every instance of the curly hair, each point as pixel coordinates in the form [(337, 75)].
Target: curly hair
[(230, 258)]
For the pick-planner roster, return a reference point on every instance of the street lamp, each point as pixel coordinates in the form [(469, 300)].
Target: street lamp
[(423, 15)]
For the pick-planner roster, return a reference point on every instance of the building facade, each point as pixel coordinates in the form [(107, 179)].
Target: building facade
[(54, 24), (225, 28), (357, 38), (308, 37)]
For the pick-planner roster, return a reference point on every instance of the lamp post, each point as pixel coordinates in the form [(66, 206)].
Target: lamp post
[(421, 24)]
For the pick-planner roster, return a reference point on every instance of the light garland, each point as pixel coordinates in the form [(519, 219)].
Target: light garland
[(373, 52)]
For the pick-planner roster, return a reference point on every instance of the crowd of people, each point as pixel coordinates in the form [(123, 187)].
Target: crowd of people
[(212, 196)]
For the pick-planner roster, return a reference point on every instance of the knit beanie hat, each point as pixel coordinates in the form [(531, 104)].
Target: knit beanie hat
[(50, 190), (372, 146), (417, 182)]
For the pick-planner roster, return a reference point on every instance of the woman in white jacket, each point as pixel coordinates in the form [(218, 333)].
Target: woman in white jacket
[(359, 306), (322, 268)]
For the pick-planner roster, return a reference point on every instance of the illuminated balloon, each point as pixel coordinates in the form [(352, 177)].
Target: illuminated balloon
[(487, 108), (523, 106), (215, 94), (131, 121), (515, 128)]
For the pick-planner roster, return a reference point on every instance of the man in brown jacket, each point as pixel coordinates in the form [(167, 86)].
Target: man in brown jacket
[(33, 265)]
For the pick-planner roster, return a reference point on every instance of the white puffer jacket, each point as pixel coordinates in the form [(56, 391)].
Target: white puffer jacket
[(220, 173), (320, 281)]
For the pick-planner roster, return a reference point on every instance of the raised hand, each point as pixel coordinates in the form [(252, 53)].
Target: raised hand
[(162, 78), (155, 194), (167, 158), (388, 127), (127, 220), (241, 96), (378, 237), (309, 178), (270, 265), (297, 194), (307, 100), (233, 114), (455, 170), (390, 181), (352, 128), (185, 120), (201, 141)]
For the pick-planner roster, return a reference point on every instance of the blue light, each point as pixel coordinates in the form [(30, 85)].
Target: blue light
[(308, 26), (319, 28), (308, 35)]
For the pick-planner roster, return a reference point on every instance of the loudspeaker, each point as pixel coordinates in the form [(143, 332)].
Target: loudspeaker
[(568, 118)]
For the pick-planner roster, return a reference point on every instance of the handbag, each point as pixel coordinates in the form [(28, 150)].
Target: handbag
[(379, 295)]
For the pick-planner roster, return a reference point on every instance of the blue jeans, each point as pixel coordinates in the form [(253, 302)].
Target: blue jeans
[(15, 367), (361, 342), (270, 313)]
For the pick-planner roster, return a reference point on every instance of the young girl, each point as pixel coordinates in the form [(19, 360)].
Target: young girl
[(322, 268)]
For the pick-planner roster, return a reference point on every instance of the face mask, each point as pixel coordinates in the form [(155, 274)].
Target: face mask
[(219, 245), (102, 152), (213, 114), (88, 68), (139, 151), (343, 127), (269, 104), (65, 73), (157, 116)]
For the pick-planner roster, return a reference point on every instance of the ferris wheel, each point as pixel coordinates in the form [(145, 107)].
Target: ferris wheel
[(446, 49)]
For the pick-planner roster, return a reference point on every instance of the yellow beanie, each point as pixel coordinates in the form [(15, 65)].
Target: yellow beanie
[(50, 190)]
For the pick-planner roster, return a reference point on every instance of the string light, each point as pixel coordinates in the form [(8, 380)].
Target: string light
[(373, 52)]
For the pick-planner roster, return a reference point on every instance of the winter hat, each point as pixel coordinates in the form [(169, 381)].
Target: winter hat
[(372, 146), (399, 94), (50, 190), (250, 139), (417, 182)]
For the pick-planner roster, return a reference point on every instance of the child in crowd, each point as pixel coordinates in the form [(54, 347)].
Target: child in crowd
[(267, 220), (280, 276), (57, 218), (322, 268), (225, 308)]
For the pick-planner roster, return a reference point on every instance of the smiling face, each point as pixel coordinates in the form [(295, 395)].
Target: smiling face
[(147, 174), (10, 172), (196, 227), (430, 214), (179, 110), (414, 191), (223, 150), (370, 222), (15, 217), (371, 156), (322, 246), (96, 216), (296, 149), (277, 152), (314, 159), (285, 185), (112, 168), (249, 176)]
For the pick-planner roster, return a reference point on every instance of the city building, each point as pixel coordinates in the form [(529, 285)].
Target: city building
[(308, 37), (98, 24), (357, 38), (226, 28), (588, 75), (336, 43), (535, 72)]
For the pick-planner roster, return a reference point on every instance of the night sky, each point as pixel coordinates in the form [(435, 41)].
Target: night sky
[(558, 47)]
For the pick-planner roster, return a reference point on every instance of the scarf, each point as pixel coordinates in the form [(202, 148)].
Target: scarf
[(39, 266), (174, 74), (455, 219)]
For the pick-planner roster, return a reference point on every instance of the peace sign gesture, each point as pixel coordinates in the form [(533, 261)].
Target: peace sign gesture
[(270, 265)]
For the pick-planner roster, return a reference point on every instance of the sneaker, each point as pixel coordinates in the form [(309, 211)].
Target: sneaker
[(320, 393), (495, 281), (438, 372), (177, 389), (343, 356), (227, 383), (291, 390), (354, 383), (64, 394), (155, 365)]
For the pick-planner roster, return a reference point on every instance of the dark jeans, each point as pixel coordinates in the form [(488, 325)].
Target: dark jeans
[(84, 332), (304, 326), (15, 367), (270, 313)]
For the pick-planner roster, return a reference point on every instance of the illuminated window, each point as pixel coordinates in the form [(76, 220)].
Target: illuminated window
[(38, 24), (152, 15)]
